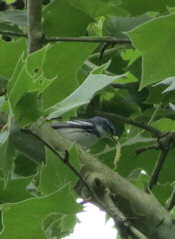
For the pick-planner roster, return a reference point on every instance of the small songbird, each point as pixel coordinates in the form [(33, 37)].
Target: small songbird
[(86, 132)]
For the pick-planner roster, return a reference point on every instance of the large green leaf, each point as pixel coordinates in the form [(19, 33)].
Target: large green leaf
[(10, 53), (55, 174), (62, 60), (94, 82), (26, 83), (154, 40), (30, 214), (62, 19)]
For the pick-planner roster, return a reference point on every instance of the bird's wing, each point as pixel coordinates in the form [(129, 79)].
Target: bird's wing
[(73, 124)]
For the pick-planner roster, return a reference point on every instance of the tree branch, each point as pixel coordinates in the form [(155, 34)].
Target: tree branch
[(34, 25), (172, 200), (157, 169), (142, 210), (150, 147), (109, 40), (122, 223)]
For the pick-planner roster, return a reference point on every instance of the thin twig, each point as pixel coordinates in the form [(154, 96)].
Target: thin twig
[(157, 169), (123, 119), (109, 40), (150, 147)]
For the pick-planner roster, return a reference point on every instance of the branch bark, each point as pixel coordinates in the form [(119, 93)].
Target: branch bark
[(109, 40), (34, 25)]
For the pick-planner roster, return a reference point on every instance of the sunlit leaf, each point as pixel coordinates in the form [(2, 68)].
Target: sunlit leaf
[(161, 31)]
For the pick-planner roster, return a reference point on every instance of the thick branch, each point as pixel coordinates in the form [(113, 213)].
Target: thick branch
[(34, 25), (141, 209), (122, 223)]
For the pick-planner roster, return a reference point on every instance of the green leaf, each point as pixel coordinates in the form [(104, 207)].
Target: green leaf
[(36, 209), (36, 60), (10, 53), (146, 6), (164, 125), (55, 174), (59, 225), (71, 26), (63, 61), (22, 85), (94, 82), (7, 26), (28, 109), (3, 83), (15, 191), (28, 77), (7, 157), (156, 96), (4, 136), (97, 8), (170, 81), (24, 166), (117, 26), (14, 16), (33, 63), (153, 48), (162, 192)]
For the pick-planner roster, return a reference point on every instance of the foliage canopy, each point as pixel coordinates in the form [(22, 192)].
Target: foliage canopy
[(83, 79)]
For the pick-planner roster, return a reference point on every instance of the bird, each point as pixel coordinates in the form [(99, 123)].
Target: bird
[(86, 132)]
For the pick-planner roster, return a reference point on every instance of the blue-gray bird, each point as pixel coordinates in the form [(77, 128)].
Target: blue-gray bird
[(86, 132)]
